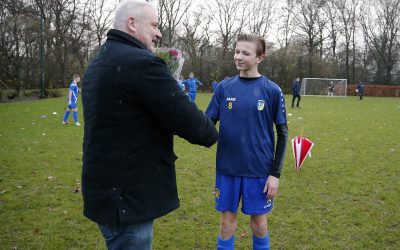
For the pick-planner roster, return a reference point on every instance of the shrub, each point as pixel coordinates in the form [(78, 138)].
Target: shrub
[(12, 95), (54, 93), (28, 93)]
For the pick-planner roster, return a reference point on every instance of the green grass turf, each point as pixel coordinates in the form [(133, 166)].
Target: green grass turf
[(346, 196)]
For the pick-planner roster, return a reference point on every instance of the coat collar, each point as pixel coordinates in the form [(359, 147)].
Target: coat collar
[(120, 36)]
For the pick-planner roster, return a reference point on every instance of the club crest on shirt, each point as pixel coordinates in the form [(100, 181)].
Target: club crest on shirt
[(260, 105)]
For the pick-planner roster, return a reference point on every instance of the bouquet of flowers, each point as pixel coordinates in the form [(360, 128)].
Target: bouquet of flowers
[(173, 58)]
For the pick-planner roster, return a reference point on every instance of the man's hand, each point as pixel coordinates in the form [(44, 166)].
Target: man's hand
[(271, 186)]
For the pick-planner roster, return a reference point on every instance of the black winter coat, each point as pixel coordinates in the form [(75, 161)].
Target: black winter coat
[(132, 107)]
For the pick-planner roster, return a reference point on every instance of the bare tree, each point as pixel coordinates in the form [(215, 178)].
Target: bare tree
[(196, 43), (229, 17), (285, 26), (321, 21), (381, 26), (16, 21), (101, 17), (309, 27), (347, 10), (171, 13), (260, 18), (333, 25), (64, 13), (77, 37)]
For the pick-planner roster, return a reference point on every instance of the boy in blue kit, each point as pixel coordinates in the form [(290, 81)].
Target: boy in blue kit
[(72, 99), (248, 164), (360, 90), (192, 86)]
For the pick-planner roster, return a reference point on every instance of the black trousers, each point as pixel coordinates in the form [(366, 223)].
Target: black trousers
[(298, 100)]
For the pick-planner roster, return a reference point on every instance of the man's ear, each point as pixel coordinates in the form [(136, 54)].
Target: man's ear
[(132, 24)]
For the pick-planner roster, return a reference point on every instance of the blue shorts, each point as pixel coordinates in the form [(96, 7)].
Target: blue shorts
[(72, 106), (230, 189)]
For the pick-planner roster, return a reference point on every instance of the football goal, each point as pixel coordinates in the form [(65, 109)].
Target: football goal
[(324, 87)]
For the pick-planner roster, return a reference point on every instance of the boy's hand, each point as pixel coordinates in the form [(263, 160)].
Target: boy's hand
[(271, 186)]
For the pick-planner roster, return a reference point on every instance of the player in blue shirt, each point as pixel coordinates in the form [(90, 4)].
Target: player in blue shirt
[(192, 86), (248, 164), (331, 88), (72, 99), (360, 89)]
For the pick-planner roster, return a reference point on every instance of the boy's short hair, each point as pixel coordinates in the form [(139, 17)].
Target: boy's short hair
[(251, 37), (76, 76)]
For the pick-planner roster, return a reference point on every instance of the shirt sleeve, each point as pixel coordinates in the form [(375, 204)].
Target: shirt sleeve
[(279, 107), (160, 94), (213, 109), (282, 131)]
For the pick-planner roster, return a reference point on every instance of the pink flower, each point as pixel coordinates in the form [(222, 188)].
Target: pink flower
[(174, 52)]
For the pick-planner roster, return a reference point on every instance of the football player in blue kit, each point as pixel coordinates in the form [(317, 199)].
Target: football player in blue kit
[(248, 163), (192, 86), (72, 99)]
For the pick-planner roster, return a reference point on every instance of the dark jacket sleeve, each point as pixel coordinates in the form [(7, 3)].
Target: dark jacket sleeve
[(282, 131), (160, 93)]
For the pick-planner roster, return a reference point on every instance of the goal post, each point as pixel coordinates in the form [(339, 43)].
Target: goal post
[(320, 87)]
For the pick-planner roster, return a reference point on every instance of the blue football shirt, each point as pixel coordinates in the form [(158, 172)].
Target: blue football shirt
[(192, 84), (74, 89), (247, 111)]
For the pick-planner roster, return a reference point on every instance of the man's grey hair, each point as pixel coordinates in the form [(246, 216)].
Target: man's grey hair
[(129, 8)]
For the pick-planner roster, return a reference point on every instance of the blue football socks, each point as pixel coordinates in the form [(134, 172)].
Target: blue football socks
[(261, 243), (226, 244), (75, 114), (66, 115)]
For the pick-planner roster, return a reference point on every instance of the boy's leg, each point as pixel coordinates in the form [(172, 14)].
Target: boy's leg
[(226, 237), (257, 205), (192, 96), (228, 225), (227, 196), (293, 98), (258, 224), (75, 115), (66, 115)]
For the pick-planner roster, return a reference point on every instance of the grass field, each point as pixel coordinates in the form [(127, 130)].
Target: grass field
[(347, 196)]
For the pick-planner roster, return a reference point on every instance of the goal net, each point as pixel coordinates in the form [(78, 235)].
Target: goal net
[(323, 87)]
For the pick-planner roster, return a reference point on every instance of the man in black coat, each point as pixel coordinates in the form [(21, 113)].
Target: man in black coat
[(132, 107)]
